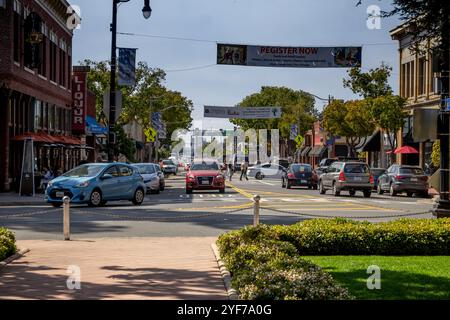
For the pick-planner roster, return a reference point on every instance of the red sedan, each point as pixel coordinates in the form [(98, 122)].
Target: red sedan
[(203, 175)]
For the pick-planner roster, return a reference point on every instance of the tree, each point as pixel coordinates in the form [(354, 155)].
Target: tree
[(297, 106), (350, 119), (149, 95), (389, 114), (370, 84)]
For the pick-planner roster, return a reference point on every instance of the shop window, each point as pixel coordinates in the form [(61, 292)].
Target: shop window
[(422, 76), (51, 117), (37, 115), (57, 119), (44, 115)]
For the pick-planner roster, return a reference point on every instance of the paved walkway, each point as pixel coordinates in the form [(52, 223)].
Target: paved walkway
[(13, 199), (120, 268)]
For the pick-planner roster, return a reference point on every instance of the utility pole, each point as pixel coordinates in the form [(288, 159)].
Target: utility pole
[(112, 89), (442, 209)]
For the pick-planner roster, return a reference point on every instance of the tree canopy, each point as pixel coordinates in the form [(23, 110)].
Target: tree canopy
[(370, 84)]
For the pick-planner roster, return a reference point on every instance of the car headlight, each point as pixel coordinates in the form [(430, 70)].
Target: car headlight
[(83, 184), (50, 184), (191, 177), (220, 177)]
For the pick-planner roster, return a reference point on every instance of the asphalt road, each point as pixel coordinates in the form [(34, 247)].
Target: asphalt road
[(174, 213)]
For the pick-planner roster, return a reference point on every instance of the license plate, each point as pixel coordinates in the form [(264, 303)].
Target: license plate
[(59, 194), (304, 181), (357, 179), (205, 182), (414, 179)]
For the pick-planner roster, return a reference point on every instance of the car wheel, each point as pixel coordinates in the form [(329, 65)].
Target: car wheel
[(138, 198), (321, 188), (379, 190), (161, 187), (96, 199), (157, 191), (222, 190), (392, 192), (259, 176), (315, 187), (56, 205), (309, 187), (288, 185), (352, 193), (409, 194), (367, 193), (336, 191), (424, 194), (188, 191)]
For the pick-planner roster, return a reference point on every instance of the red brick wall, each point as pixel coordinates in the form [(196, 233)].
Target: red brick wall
[(16, 77)]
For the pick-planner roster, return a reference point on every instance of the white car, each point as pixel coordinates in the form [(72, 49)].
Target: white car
[(150, 176)]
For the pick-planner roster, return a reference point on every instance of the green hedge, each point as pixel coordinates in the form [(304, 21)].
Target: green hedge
[(265, 269), (7, 243)]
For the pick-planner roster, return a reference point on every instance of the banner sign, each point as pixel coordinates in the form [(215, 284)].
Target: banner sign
[(289, 57), (127, 67), (294, 131), (242, 113), (79, 94)]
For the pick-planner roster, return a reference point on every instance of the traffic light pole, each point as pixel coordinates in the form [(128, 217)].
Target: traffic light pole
[(112, 106)]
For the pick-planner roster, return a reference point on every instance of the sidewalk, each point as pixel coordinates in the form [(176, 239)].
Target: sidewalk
[(13, 199), (120, 268)]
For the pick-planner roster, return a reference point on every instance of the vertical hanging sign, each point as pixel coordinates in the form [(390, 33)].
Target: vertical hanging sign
[(127, 67), (79, 92)]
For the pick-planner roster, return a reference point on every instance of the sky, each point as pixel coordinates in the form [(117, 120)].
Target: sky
[(191, 65)]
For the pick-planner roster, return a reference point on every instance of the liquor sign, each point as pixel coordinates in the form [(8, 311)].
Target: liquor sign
[(79, 93), (289, 57), (242, 113)]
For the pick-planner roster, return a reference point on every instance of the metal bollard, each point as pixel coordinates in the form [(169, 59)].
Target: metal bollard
[(256, 208), (66, 218)]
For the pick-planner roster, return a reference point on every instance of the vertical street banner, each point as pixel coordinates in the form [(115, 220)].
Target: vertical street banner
[(127, 67), (79, 94), (294, 131), (289, 57)]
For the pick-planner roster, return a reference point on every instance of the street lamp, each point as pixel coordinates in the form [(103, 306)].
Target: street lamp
[(112, 107)]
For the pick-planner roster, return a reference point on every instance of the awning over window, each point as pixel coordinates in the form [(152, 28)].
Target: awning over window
[(318, 151), (46, 138), (93, 127), (305, 151), (373, 143)]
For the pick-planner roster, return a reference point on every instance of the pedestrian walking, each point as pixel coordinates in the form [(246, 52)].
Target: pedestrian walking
[(47, 176), (244, 168), (230, 171)]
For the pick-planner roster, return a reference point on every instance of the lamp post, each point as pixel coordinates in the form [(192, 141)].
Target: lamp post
[(146, 11)]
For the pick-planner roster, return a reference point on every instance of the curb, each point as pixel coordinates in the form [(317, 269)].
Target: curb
[(15, 204), (226, 276), (16, 256)]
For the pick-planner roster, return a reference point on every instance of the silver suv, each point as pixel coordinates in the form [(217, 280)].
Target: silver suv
[(349, 176)]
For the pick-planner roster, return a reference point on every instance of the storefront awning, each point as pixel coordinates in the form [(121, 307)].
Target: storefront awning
[(317, 151), (373, 143), (305, 151), (49, 139), (93, 127)]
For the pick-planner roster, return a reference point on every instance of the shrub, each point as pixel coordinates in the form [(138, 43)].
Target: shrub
[(268, 269), (7, 243)]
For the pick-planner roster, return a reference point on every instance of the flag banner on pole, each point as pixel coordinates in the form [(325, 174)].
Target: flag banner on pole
[(127, 67), (289, 57)]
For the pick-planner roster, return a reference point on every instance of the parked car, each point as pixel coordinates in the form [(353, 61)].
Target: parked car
[(97, 183), (299, 174), (377, 172), (267, 170), (348, 176), (168, 167), (151, 177), (162, 178), (324, 164), (403, 179), (205, 175)]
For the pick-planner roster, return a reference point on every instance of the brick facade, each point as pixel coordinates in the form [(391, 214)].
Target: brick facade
[(23, 90)]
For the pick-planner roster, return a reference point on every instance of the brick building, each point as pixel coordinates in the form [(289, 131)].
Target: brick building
[(35, 87)]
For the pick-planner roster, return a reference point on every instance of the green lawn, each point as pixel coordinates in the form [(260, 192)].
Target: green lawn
[(402, 278)]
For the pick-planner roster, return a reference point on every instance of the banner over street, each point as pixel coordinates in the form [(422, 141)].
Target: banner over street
[(289, 57), (242, 113)]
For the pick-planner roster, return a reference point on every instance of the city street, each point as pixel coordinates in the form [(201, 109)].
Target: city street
[(173, 213)]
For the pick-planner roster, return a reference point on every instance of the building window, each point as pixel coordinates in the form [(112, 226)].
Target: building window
[(44, 115), (62, 68), (17, 30), (408, 79), (43, 51), (51, 117), (422, 76), (53, 56), (37, 115), (57, 118), (435, 84)]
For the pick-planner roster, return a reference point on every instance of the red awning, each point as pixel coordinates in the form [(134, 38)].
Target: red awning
[(46, 138), (405, 150)]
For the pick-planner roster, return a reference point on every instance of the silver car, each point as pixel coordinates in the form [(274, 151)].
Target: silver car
[(403, 179), (168, 167), (347, 176), (151, 177), (267, 170)]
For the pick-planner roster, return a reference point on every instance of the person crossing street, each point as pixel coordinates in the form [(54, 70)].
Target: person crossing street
[(244, 168)]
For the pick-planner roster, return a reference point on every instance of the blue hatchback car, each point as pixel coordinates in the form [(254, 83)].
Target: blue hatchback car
[(96, 183)]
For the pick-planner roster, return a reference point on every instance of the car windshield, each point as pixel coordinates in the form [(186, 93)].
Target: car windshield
[(356, 168), (84, 171), (418, 171), (204, 166), (168, 163), (146, 169), (301, 168)]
